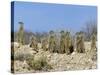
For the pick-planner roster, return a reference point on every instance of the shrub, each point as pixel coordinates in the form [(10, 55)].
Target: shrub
[(39, 64), (22, 55)]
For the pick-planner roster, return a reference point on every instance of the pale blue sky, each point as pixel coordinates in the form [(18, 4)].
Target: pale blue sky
[(39, 17)]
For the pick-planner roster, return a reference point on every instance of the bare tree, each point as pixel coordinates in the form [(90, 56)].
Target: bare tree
[(89, 29)]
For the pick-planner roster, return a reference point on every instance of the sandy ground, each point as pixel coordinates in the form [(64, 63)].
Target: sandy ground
[(59, 62)]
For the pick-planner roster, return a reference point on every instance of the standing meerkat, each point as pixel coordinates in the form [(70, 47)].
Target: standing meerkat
[(93, 42), (80, 42), (62, 42), (93, 51), (44, 43), (52, 42), (20, 34), (33, 42), (68, 43)]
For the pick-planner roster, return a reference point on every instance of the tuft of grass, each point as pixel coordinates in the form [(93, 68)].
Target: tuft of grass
[(39, 64), (22, 55)]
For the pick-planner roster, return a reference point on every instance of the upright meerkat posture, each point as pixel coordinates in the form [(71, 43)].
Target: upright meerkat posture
[(44, 43), (20, 34), (68, 43), (93, 42), (93, 47), (52, 42), (62, 42), (80, 43), (33, 43)]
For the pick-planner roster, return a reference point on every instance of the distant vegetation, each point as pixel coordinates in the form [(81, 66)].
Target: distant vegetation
[(59, 42), (88, 29)]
